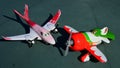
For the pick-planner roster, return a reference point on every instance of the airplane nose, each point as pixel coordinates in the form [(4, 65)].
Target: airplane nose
[(52, 42)]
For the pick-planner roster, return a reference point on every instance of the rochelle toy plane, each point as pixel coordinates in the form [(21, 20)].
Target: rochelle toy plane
[(79, 41), (37, 32)]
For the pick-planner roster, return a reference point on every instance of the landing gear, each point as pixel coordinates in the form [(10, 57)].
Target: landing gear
[(56, 29), (31, 42), (85, 57)]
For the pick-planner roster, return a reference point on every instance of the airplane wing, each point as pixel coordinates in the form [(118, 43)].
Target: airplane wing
[(51, 24), (97, 54), (30, 36), (69, 29)]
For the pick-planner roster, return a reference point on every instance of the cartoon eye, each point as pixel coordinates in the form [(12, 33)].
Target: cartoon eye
[(45, 34)]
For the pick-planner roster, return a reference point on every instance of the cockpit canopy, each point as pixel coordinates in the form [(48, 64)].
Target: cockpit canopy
[(103, 33)]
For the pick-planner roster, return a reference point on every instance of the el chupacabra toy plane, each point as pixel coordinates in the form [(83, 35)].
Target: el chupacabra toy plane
[(79, 41), (37, 32)]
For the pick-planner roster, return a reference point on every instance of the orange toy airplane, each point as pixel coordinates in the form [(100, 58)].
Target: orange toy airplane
[(79, 41)]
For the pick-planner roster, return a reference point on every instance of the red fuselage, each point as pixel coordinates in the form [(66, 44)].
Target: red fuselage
[(80, 42)]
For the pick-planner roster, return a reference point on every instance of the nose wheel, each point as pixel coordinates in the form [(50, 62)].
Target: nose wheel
[(56, 29)]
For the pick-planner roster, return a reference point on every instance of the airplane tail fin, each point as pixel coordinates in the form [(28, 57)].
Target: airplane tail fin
[(25, 16)]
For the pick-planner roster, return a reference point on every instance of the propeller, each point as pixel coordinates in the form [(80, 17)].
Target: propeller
[(68, 44)]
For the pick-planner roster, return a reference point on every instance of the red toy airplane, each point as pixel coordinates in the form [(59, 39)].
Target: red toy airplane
[(79, 41)]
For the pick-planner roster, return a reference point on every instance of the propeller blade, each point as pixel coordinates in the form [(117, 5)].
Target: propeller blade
[(68, 44), (66, 51), (70, 37)]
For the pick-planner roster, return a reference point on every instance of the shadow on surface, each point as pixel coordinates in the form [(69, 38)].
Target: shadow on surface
[(61, 40), (48, 19), (18, 20)]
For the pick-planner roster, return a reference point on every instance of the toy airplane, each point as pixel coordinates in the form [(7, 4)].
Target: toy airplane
[(79, 41), (37, 32)]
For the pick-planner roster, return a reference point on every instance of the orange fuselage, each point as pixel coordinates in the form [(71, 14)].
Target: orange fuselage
[(80, 42)]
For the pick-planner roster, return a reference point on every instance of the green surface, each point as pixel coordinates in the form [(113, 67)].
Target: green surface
[(82, 15)]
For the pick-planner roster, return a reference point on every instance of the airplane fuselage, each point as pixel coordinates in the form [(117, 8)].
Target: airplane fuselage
[(80, 42), (43, 33), (84, 40)]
